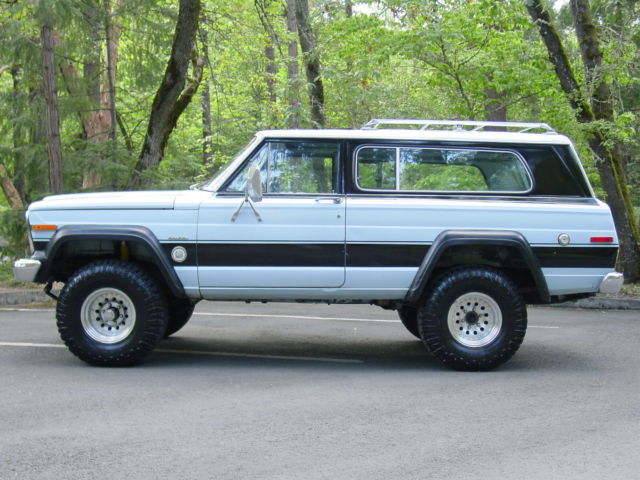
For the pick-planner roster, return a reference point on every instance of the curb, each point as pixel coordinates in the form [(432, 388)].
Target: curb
[(26, 296), (22, 296), (600, 303)]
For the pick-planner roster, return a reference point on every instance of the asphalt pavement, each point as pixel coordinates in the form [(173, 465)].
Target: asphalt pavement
[(21, 296), (289, 391)]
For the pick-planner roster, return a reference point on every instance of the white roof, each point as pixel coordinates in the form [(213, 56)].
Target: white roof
[(433, 135)]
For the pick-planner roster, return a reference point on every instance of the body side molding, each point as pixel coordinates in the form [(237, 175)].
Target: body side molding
[(135, 234), (452, 238)]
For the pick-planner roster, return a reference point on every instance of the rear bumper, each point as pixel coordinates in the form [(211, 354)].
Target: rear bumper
[(26, 269), (612, 283)]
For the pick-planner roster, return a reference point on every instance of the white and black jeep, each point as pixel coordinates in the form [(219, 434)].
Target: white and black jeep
[(456, 225)]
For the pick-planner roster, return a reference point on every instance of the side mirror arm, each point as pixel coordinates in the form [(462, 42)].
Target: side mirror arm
[(252, 190), (246, 199)]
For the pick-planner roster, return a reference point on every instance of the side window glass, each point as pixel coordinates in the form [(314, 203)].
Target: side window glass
[(294, 167), (504, 171), (444, 170), (376, 168), (260, 160), (441, 170)]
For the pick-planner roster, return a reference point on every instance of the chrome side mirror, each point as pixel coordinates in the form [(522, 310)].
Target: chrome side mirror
[(253, 188), (252, 193)]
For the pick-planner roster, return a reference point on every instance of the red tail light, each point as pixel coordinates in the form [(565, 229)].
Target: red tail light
[(601, 239)]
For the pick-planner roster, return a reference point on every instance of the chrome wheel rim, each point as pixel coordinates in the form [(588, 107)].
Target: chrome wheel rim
[(474, 319), (108, 315)]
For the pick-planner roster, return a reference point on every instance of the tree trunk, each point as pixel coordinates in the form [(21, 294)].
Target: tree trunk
[(112, 30), (207, 129), (309, 46), (270, 55), (99, 122), (205, 101), (14, 192), (495, 107), (270, 72), (128, 143), (17, 134), (348, 8), (293, 71), (611, 166), (608, 161), (174, 93), (95, 123), (559, 60), (52, 123), (9, 189)]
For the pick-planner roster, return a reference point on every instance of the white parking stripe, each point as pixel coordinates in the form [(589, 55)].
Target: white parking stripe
[(32, 345), (8, 309), (202, 352), (257, 315), (303, 317)]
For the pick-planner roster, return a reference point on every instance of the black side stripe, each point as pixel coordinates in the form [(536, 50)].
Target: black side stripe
[(271, 255), (387, 255), (576, 257), (363, 255)]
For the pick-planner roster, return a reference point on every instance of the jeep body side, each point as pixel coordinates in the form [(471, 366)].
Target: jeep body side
[(456, 230)]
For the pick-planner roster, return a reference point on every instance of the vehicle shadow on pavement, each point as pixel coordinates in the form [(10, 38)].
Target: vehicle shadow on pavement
[(276, 352)]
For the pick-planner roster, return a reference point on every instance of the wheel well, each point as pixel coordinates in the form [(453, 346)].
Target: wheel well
[(76, 254), (508, 260)]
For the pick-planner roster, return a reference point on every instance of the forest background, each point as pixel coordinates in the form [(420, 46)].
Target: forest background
[(130, 94)]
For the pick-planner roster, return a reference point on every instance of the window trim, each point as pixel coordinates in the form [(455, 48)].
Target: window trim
[(438, 192)]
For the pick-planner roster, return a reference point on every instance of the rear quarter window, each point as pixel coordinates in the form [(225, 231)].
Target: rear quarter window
[(441, 170)]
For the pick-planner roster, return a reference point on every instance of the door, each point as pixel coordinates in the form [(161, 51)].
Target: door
[(295, 237)]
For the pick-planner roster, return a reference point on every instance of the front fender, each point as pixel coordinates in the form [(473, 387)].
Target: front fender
[(132, 234)]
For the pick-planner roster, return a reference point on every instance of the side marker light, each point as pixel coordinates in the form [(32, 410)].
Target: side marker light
[(601, 239)]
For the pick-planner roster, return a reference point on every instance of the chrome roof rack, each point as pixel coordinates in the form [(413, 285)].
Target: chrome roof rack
[(458, 125)]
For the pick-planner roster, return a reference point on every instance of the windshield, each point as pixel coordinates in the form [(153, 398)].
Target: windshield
[(218, 179)]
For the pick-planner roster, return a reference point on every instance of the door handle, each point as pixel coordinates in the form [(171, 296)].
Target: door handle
[(334, 200)]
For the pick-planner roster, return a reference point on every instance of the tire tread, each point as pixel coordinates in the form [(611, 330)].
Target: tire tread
[(139, 279), (430, 321)]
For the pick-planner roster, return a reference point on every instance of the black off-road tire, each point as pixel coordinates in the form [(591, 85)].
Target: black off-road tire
[(111, 293), (458, 321), (180, 311), (409, 318)]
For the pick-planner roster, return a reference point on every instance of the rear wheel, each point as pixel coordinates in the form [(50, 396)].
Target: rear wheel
[(111, 313), (474, 318)]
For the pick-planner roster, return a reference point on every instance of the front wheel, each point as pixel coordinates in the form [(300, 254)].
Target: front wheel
[(111, 313), (180, 311), (409, 318), (474, 318)]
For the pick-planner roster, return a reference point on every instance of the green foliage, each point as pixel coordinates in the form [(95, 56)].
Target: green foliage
[(391, 58), (13, 230)]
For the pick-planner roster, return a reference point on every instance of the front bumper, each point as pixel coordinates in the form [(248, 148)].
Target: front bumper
[(612, 283), (26, 269)]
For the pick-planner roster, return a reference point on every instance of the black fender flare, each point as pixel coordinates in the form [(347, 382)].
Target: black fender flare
[(129, 233), (451, 238)]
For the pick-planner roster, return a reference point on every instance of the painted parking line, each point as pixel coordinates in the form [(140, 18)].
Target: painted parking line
[(258, 315), (32, 345), (304, 317), (39, 310), (202, 352)]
